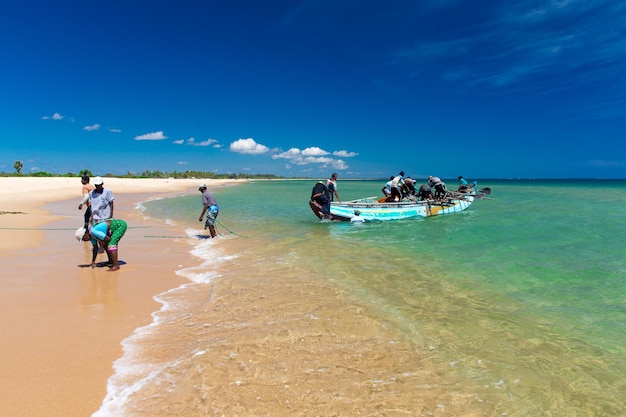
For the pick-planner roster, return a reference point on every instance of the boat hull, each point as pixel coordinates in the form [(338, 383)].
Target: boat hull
[(371, 209)]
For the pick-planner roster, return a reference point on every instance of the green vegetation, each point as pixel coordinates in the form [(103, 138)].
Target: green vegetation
[(145, 174)]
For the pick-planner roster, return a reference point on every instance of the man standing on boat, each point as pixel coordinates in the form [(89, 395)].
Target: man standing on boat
[(395, 186), (439, 187), (331, 186)]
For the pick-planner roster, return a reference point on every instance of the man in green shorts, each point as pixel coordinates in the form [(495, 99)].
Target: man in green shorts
[(108, 233)]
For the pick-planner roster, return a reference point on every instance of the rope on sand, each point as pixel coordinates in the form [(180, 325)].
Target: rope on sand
[(62, 228), (173, 237), (130, 227)]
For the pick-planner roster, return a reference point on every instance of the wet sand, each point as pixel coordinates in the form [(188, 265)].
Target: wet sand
[(62, 322)]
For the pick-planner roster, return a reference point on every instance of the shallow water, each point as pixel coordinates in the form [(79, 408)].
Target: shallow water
[(513, 307)]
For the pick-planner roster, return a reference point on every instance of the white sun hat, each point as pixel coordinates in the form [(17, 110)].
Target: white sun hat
[(80, 232)]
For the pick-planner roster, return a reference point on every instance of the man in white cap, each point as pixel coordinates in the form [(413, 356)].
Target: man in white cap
[(101, 201), (210, 208)]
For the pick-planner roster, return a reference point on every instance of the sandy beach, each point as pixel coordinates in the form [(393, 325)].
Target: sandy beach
[(61, 322)]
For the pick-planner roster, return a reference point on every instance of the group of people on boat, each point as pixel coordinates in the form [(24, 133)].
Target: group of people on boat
[(399, 188)]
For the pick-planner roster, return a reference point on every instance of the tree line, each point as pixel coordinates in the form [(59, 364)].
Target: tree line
[(18, 166)]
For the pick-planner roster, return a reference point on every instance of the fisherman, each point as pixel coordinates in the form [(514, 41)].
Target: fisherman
[(462, 184), (211, 209), (396, 182), (101, 201), (408, 187), (86, 189), (439, 187), (387, 187), (357, 217), (320, 196), (331, 187), (107, 233), (425, 192)]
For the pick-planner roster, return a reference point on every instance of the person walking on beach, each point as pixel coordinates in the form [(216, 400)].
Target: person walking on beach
[(107, 233), (331, 186), (210, 208), (87, 188), (101, 201)]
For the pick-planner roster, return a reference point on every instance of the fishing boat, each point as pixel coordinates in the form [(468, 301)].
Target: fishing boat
[(374, 208)]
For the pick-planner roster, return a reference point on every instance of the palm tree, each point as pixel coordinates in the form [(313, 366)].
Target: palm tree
[(18, 165)]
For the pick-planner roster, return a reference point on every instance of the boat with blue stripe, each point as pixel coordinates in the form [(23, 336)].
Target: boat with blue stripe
[(379, 209)]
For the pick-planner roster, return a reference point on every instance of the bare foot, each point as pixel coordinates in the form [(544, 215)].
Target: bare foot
[(114, 268)]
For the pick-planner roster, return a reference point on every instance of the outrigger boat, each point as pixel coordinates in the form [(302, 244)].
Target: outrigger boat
[(374, 208)]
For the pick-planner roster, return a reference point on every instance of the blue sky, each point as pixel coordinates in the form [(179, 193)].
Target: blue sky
[(490, 89)]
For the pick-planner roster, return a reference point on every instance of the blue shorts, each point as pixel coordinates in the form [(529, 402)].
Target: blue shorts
[(211, 216)]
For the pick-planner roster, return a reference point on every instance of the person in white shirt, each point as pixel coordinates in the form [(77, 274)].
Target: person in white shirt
[(331, 186), (395, 186), (100, 200), (357, 217)]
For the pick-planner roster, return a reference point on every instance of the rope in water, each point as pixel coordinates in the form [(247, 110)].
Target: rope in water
[(218, 222)]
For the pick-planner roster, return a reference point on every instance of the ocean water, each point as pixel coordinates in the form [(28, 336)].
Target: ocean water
[(514, 307)]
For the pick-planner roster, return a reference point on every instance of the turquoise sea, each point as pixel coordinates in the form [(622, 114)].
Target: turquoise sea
[(517, 305)]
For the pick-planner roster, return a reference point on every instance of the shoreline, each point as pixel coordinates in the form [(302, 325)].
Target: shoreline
[(63, 324), (22, 201)]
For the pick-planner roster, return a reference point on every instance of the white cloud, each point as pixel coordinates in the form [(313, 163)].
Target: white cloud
[(207, 142), (93, 127), (318, 160), (345, 154), (114, 130), (192, 142), (293, 155), (55, 116), (312, 155), (314, 151), (248, 146), (152, 136), (339, 165), (181, 163)]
